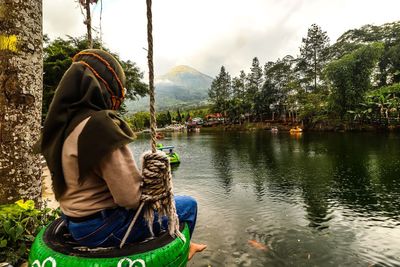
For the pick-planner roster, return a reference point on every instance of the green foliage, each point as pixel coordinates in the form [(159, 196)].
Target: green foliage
[(350, 80), (241, 101), (382, 104), (389, 34), (313, 107), (163, 119), (254, 78), (139, 121), (19, 224), (350, 77), (267, 100), (220, 91), (58, 58), (314, 53), (279, 92), (199, 112), (134, 85), (178, 117)]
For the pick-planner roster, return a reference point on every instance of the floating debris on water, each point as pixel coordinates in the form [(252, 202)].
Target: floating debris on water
[(257, 245)]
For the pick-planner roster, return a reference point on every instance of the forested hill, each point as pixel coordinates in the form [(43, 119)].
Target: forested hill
[(180, 86)]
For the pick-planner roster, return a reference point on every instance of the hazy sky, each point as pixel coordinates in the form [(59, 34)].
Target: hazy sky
[(206, 34)]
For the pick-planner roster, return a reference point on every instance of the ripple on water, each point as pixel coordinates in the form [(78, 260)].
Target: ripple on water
[(311, 202)]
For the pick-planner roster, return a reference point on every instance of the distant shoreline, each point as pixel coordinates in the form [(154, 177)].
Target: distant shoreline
[(285, 127)]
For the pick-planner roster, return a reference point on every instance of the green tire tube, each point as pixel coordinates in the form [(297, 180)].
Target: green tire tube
[(172, 254), (174, 158)]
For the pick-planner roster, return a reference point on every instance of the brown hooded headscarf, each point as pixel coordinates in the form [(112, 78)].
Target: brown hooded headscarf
[(92, 87)]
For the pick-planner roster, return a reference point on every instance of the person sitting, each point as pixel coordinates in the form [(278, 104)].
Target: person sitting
[(94, 175)]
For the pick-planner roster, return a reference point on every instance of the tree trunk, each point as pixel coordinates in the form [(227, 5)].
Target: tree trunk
[(88, 23), (21, 83), (315, 69)]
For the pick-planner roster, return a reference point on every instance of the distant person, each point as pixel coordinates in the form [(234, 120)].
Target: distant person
[(85, 143)]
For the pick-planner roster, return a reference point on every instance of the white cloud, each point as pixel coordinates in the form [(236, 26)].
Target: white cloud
[(62, 18), (209, 33)]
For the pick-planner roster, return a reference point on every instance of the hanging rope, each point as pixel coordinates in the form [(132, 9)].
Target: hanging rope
[(151, 76), (157, 192)]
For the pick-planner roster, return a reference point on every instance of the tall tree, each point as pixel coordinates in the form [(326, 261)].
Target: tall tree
[(255, 77), (314, 54), (389, 34), (21, 71), (169, 117), (178, 116), (220, 91), (239, 105), (281, 86), (88, 19), (350, 77), (254, 85)]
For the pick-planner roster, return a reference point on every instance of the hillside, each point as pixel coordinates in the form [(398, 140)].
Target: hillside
[(180, 86)]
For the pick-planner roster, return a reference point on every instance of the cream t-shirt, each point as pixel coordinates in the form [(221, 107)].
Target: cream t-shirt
[(115, 182)]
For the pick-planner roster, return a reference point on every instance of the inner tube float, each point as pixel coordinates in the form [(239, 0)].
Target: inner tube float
[(54, 247), (174, 158)]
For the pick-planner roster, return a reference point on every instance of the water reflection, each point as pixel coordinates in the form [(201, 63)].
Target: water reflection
[(313, 200), (221, 160)]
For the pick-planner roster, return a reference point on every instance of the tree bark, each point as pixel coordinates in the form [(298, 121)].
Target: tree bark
[(315, 69), (21, 83), (88, 23)]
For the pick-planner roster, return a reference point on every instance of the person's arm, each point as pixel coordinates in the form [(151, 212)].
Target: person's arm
[(119, 171)]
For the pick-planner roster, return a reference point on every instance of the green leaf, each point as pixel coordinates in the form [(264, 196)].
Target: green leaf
[(3, 243), (28, 205), (7, 226), (18, 231)]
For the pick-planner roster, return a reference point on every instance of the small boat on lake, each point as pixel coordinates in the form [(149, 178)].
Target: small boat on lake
[(169, 150), (159, 135), (296, 129)]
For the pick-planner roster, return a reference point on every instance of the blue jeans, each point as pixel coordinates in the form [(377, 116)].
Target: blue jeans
[(109, 229)]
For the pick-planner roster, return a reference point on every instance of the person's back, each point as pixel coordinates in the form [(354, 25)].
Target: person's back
[(85, 143)]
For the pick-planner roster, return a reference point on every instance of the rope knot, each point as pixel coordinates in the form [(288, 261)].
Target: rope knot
[(157, 190)]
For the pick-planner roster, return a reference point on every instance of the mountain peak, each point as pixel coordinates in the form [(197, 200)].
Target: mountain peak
[(183, 75), (182, 69), (180, 86)]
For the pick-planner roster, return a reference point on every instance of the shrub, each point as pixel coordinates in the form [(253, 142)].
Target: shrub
[(19, 224)]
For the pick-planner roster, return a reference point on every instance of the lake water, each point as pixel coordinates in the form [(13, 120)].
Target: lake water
[(328, 199)]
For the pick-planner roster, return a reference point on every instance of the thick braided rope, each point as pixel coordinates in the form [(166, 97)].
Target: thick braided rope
[(157, 194), (151, 76), (157, 190)]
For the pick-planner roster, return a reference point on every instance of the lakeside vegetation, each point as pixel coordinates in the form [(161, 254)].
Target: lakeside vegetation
[(352, 83)]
